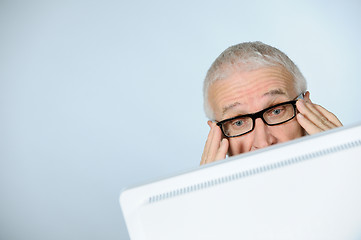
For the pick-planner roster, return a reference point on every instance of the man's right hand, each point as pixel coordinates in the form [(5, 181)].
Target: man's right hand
[(216, 148)]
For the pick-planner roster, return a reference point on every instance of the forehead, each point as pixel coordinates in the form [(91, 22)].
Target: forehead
[(250, 89)]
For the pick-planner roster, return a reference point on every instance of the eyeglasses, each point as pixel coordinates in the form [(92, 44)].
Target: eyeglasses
[(275, 115)]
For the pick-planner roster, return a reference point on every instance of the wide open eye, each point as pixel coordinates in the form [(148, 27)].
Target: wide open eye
[(277, 111), (279, 114), (237, 126), (238, 123)]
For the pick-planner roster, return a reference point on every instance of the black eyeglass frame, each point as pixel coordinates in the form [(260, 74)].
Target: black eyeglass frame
[(259, 114)]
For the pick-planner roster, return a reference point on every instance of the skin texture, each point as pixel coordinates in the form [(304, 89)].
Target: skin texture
[(250, 92)]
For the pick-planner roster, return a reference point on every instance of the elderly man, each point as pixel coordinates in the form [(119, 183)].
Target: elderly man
[(255, 96)]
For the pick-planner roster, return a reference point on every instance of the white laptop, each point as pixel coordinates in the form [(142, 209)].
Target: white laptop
[(308, 188)]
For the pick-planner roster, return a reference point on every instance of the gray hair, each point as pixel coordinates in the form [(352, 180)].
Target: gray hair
[(244, 57)]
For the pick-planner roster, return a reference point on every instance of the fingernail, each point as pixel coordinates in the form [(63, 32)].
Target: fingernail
[(309, 98)]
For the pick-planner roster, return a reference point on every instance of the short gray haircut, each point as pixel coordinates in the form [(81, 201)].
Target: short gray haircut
[(245, 57)]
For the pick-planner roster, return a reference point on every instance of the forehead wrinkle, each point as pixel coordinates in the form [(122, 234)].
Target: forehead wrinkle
[(237, 90), (240, 88), (248, 88)]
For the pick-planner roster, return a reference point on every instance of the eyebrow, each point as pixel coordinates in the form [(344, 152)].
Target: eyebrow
[(272, 92), (275, 92)]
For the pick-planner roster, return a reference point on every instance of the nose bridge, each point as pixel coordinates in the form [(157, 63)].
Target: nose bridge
[(262, 136), (260, 125), (259, 115)]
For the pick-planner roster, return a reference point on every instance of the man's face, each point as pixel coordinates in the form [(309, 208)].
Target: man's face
[(250, 92)]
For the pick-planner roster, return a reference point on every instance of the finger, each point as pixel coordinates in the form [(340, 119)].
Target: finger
[(306, 124), (308, 110), (223, 149), (317, 118), (322, 116), (329, 115), (212, 144), (207, 146)]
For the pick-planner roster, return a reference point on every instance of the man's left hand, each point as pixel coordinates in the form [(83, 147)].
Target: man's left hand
[(314, 118)]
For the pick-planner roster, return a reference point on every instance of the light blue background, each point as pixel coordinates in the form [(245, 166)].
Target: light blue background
[(99, 95)]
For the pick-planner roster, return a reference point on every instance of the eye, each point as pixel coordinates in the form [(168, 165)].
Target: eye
[(276, 111), (238, 123)]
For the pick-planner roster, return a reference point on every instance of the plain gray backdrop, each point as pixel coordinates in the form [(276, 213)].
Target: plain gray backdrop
[(96, 96)]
